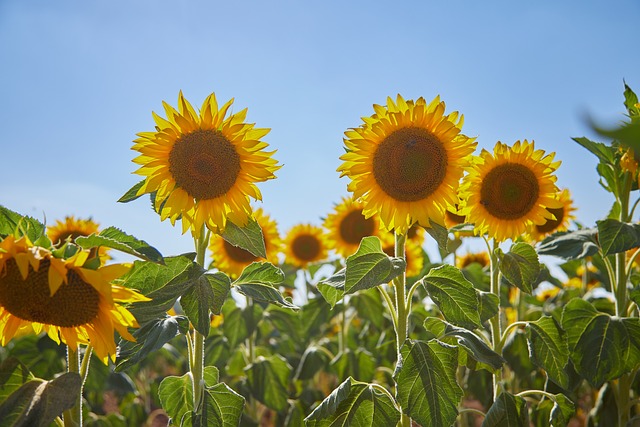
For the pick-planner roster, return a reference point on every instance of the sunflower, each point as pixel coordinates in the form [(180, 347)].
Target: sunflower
[(405, 162), (413, 255), (73, 227), (71, 303), (232, 260), (202, 167), (508, 191), (347, 226), (563, 216), (305, 244), (481, 258)]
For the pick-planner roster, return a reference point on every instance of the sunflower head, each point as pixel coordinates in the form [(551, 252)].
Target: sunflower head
[(481, 258), (562, 217), (347, 226), (305, 244), (405, 162), (509, 190), (72, 228), (202, 166), (72, 303), (232, 260)]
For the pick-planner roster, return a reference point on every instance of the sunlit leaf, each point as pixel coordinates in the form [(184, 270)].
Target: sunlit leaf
[(220, 406), (206, 296), (332, 288), (507, 411), (570, 245), (248, 237), (21, 225), (132, 193), (549, 348), (115, 238), (520, 266), (176, 396), (370, 266)]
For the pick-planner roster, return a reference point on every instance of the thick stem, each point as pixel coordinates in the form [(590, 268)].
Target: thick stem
[(197, 360), (496, 332), (73, 417)]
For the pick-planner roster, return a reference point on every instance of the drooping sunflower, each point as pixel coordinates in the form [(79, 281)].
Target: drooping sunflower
[(481, 258), (305, 244), (563, 217), (405, 162), (347, 226), (232, 260), (508, 191), (73, 227), (71, 303), (202, 167), (412, 254)]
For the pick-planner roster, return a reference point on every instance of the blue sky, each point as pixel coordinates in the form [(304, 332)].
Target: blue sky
[(80, 79)]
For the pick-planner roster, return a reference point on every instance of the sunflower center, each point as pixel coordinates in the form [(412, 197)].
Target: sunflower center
[(305, 247), (204, 163), (71, 235), (238, 254), (74, 304), (410, 164), (354, 226), (509, 191), (455, 218), (551, 224)]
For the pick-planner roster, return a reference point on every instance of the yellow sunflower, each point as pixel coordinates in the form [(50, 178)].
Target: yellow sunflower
[(413, 255), (467, 259), (347, 226), (232, 259), (72, 304), (203, 166), (305, 244), (405, 162), (73, 227), (508, 191), (563, 216)]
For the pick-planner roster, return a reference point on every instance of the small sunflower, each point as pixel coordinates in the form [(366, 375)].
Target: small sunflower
[(72, 304), (73, 227), (405, 162), (232, 260), (508, 191), (563, 216), (413, 255), (347, 226), (202, 167), (481, 258), (305, 244)]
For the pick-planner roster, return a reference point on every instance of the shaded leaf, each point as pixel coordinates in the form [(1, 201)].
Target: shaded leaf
[(549, 349), (520, 266), (615, 236), (206, 296), (562, 411), (268, 379), (507, 411), (13, 374), (570, 245), (359, 364), (248, 237), (370, 266)]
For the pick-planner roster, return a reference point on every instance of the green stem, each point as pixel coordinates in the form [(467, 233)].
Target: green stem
[(73, 417), (496, 333), (86, 360), (402, 324), (471, 410), (506, 331), (197, 360)]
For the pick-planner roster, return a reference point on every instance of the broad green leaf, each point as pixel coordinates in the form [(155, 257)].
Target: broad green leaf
[(520, 266), (604, 152), (562, 411), (570, 245), (472, 343), (313, 360), (601, 347), (266, 293), (269, 381), (258, 281), (355, 403), (248, 237), (115, 238), (615, 236), (240, 323), (176, 397), (489, 305), (332, 288), (286, 322), (516, 352), (132, 193), (295, 415), (314, 316), (631, 101), (427, 389), (441, 235), (220, 406), (507, 411), (369, 306), (454, 295), (206, 296), (37, 403), (150, 337), (627, 134), (370, 266), (21, 225), (359, 364), (13, 374), (549, 349)]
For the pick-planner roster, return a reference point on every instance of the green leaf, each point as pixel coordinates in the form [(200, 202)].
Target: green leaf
[(176, 397), (615, 236), (206, 296), (507, 411), (627, 134), (570, 245), (549, 349), (150, 337), (369, 306), (20, 225), (604, 152), (489, 305), (562, 411), (13, 374), (132, 193), (240, 323), (631, 101), (248, 237), (37, 403), (332, 288), (426, 382), (355, 403), (441, 235), (520, 266), (313, 360), (269, 381), (454, 295), (359, 364), (602, 347), (472, 343), (115, 238), (370, 266), (221, 406)]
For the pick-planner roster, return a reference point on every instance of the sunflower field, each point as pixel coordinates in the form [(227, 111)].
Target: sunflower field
[(347, 323)]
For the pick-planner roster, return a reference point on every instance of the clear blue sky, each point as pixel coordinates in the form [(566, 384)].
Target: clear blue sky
[(80, 79)]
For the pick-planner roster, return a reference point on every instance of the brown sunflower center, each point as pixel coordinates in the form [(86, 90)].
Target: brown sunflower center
[(410, 164), (71, 235), (354, 226), (509, 191), (306, 247), (75, 303), (204, 163), (455, 218), (551, 224), (238, 254)]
